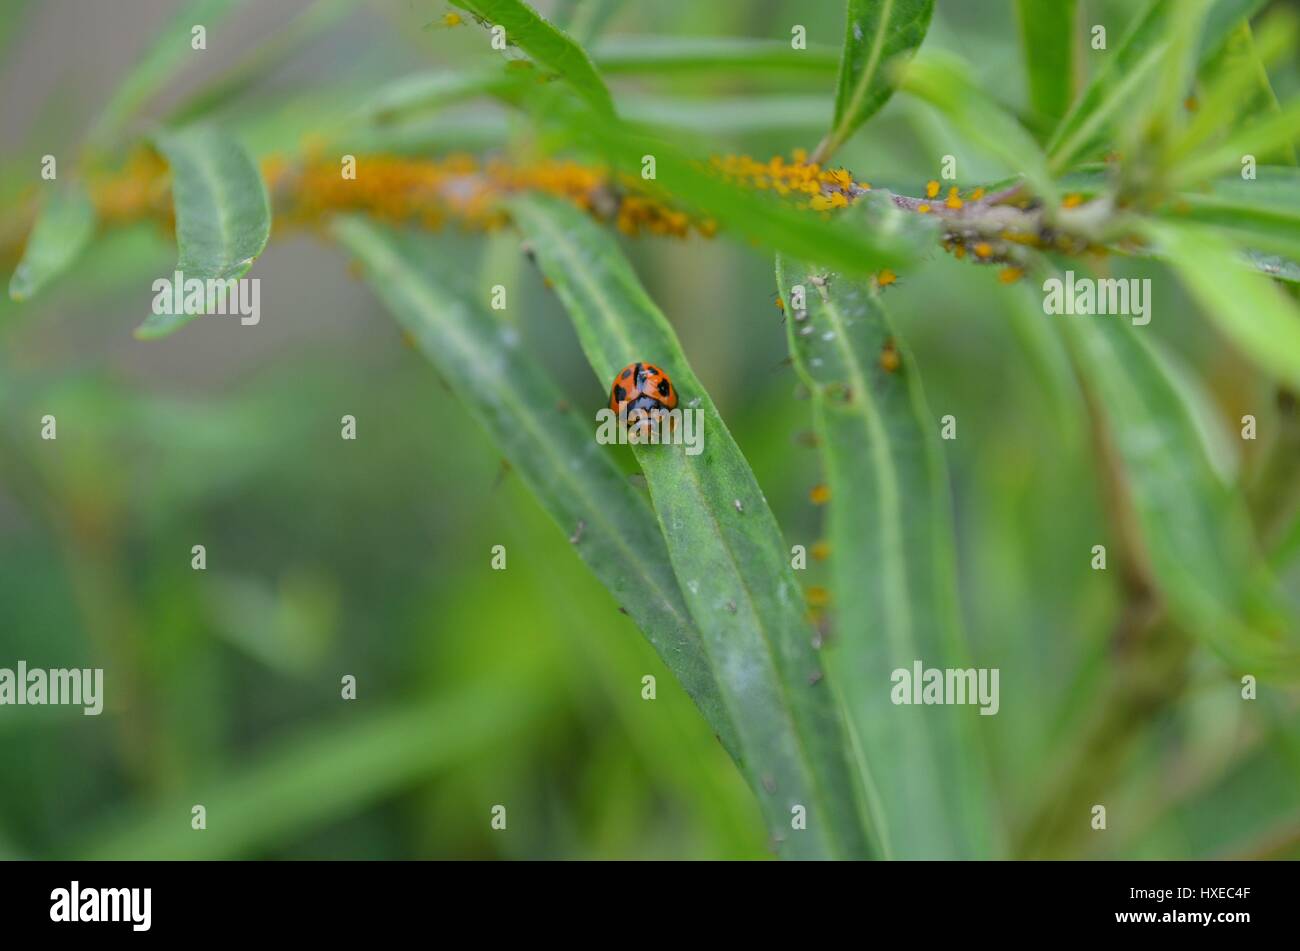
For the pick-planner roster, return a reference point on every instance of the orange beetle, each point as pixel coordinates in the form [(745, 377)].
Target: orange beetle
[(643, 388)]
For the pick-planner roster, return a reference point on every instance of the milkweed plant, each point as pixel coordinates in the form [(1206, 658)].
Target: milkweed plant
[(1112, 180)]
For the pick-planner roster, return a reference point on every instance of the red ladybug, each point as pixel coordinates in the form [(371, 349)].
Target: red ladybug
[(641, 387)]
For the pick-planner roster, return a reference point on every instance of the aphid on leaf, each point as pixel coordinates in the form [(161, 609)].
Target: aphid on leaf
[(890, 359), (819, 494), (885, 278), (447, 21)]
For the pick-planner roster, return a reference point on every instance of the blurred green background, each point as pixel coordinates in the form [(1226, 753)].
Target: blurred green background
[(371, 558)]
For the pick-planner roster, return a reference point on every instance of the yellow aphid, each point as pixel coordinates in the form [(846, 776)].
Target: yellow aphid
[(959, 252), (839, 200), (890, 360), (818, 597), (983, 250), (1009, 275), (953, 200), (452, 19), (820, 494), (820, 203), (1072, 200), (931, 189), (1190, 104), (780, 305), (885, 278), (923, 209), (820, 551), (842, 178), (977, 194)]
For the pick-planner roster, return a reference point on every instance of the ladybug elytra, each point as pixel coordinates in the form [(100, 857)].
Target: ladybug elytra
[(641, 389)]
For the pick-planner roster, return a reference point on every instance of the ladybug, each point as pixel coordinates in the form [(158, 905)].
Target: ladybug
[(641, 387)]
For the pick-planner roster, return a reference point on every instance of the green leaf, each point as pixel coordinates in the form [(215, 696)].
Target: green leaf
[(554, 450), (745, 212), (1271, 132), (62, 230), (319, 776), (944, 83), (155, 69), (724, 544), (1262, 214), (1250, 311), (1131, 66), (893, 581), (1195, 528), (622, 55), (548, 46), (664, 55), (250, 69), (723, 115), (879, 36), (1047, 38), (223, 216), (1237, 89)]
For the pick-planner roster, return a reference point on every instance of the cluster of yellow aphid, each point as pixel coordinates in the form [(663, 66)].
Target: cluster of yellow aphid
[(462, 190), (824, 188)]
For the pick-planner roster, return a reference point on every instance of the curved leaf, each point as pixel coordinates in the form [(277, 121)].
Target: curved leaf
[(893, 591), (698, 54), (877, 34), (159, 64), (1138, 52), (1196, 530), (574, 479), (319, 776), (725, 547), (62, 230), (745, 212), (944, 83), (223, 216), (1047, 37), (1255, 315), (547, 45)]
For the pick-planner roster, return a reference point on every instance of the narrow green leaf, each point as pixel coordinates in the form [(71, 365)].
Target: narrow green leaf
[(318, 776), (879, 36), (1138, 52), (62, 230), (725, 546), (1261, 213), (547, 45), (1271, 132), (554, 450), (244, 74), (944, 83), (663, 55), (1238, 90), (1196, 530), (723, 115), (620, 55), (893, 591), (156, 68), (223, 216), (1255, 315), (1047, 38), (745, 212)]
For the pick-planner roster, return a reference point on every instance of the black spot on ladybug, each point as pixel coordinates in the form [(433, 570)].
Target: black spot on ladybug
[(626, 373), (663, 388), (651, 370), (620, 394)]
